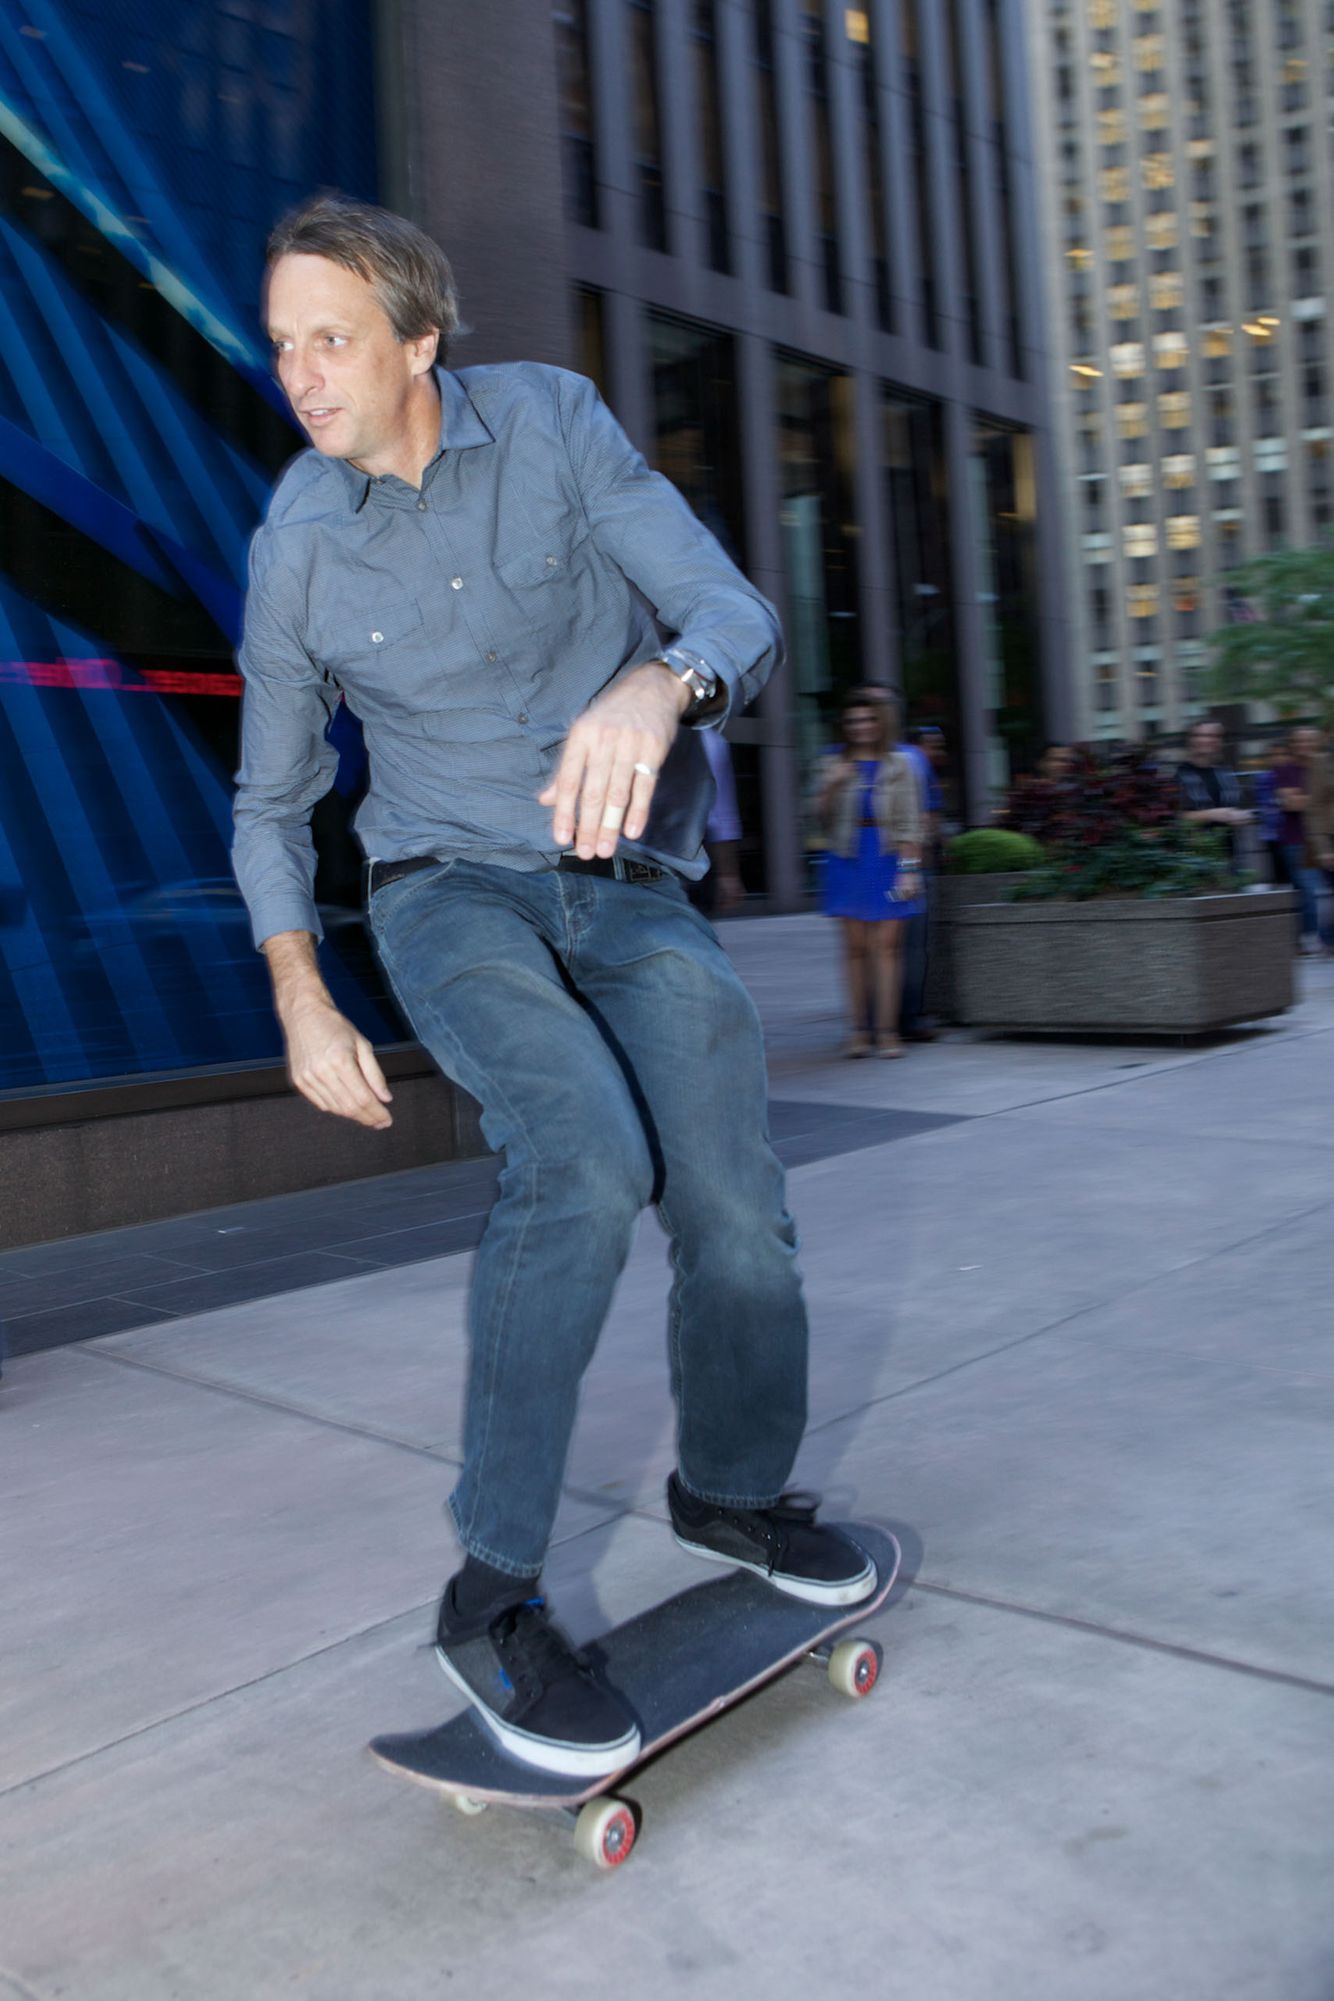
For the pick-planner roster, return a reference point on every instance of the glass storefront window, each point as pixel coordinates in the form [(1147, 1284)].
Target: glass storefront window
[(920, 512), (1004, 496), (696, 444), (815, 464), (129, 486)]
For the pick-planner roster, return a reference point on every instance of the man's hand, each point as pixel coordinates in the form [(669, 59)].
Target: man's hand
[(328, 1060), (604, 784)]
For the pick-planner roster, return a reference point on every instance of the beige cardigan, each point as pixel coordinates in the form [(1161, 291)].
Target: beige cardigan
[(896, 801)]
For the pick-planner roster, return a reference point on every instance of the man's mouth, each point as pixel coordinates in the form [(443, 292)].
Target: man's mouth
[(319, 415)]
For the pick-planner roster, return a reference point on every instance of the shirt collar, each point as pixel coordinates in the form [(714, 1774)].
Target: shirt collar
[(460, 428)]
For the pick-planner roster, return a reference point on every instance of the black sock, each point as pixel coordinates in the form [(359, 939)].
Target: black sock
[(479, 1587)]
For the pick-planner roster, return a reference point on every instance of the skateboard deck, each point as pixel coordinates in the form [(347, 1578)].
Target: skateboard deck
[(676, 1666)]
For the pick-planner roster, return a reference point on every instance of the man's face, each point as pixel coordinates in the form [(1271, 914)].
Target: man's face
[(348, 379), (1305, 744), (1208, 743)]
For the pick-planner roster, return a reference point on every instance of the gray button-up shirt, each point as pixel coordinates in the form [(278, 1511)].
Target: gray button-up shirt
[(469, 624)]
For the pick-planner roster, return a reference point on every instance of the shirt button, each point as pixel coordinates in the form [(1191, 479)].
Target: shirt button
[(493, 655), (551, 562), (376, 638), (523, 715), (456, 583), (421, 507)]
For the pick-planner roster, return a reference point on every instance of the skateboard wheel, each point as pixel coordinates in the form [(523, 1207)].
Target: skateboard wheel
[(605, 1832), (463, 1804), (854, 1667)]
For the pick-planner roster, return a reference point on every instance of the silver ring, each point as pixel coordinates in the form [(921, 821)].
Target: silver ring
[(646, 771)]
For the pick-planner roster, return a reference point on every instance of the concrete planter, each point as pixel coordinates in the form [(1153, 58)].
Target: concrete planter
[(1182, 966), (949, 895)]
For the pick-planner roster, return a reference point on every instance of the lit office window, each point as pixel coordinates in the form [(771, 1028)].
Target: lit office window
[(1150, 51), (1127, 358), (1166, 291), (1161, 231), (1158, 171), (1132, 420), (1112, 127), (1123, 301), (1114, 184), (1140, 540), (1142, 600), (1119, 243), (1137, 481), (1179, 470), (1174, 409), (1183, 531), (1155, 110), (1170, 350)]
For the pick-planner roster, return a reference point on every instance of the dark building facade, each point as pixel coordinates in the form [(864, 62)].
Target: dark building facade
[(792, 242), (795, 244)]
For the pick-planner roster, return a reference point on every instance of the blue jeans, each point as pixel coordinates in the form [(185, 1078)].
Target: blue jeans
[(618, 1061), (1308, 883)]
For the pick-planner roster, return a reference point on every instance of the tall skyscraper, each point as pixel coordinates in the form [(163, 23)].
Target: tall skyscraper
[(1187, 174)]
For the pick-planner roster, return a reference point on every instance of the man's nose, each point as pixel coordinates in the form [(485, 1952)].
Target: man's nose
[(301, 375)]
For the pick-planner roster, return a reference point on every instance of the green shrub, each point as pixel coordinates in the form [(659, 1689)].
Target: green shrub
[(1171, 861), (992, 851)]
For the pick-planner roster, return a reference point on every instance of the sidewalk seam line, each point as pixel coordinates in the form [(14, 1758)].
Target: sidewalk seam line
[(1178, 1649)]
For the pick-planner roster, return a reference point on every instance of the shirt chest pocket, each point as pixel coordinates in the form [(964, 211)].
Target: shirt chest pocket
[(544, 589), (380, 654)]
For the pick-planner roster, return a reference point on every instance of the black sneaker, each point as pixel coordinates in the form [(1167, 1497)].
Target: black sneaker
[(540, 1699), (784, 1543)]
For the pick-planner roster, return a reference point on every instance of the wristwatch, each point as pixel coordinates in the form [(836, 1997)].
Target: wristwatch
[(698, 676)]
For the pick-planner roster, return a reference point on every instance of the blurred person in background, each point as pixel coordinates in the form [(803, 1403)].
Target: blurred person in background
[(1301, 793), (1211, 796), (486, 563), (867, 808), (721, 892), (1056, 763)]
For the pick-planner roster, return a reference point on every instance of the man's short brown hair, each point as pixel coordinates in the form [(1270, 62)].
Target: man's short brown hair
[(408, 273)]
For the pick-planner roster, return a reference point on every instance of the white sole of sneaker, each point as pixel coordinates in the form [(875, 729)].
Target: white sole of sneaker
[(576, 1761), (850, 1591)]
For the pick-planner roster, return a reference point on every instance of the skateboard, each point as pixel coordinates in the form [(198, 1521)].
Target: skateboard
[(676, 1666)]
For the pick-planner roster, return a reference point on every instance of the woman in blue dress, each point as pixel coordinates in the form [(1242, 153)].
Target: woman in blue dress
[(868, 809)]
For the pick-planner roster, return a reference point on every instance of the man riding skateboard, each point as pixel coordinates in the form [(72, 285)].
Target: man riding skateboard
[(531, 627)]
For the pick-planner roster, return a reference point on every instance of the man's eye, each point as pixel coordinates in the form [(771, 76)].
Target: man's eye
[(335, 340), (278, 346)]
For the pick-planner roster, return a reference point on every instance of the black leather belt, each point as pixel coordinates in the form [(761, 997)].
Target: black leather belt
[(620, 868)]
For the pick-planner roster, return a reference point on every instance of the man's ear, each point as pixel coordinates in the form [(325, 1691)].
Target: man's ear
[(425, 348)]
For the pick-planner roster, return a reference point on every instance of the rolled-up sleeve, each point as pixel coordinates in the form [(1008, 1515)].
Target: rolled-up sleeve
[(287, 765), (640, 520)]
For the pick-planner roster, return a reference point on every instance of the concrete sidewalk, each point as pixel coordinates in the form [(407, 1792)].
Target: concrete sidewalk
[(1071, 1341)]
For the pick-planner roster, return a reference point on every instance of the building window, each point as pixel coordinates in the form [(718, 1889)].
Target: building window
[(576, 104), (1183, 531), (1142, 600), (963, 182), (708, 100), (910, 51), (1127, 358), (1170, 350), (1179, 470), (773, 215), (1132, 420), (1137, 481), (861, 34), (825, 190), (1174, 409), (647, 132), (1140, 540), (590, 334)]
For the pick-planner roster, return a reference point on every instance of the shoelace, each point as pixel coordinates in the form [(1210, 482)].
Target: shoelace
[(532, 1648)]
